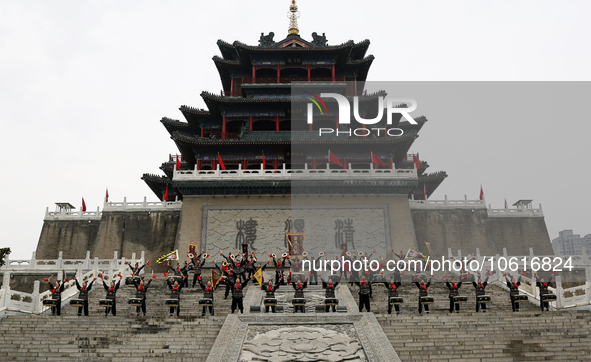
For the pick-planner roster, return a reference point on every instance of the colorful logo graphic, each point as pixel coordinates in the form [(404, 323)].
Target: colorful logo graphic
[(315, 100)]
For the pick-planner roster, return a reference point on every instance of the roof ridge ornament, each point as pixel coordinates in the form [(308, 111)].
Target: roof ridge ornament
[(293, 14)]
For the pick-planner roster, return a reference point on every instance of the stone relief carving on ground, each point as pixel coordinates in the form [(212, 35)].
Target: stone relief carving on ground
[(302, 344)]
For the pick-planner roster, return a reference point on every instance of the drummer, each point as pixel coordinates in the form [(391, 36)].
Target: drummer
[(453, 293), (393, 293), (423, 287), (513, 292), (207, 294), (84, 289), (270, 292), (299, 294), (329, 293), (480, 287), (543, 286), (111, 294), (175, 293), (141, 289), (56, 294)]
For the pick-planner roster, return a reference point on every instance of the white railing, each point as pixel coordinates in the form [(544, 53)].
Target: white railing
[(113, 206), (144, 205), (516, 212), (475, 204), (34, 264), (445, 203), (565, 297), (293, 174), (72, 215), (12, 301)]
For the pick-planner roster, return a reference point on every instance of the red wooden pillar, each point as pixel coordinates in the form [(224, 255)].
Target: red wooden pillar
[(199, 164), (332, 67), (310, 127), (254, 73), (202, 132), (213, 164), (309, 73), (336, 122), (232, 88), (391, 164), (278, 73), (345, 164), (244, 164), (276, 123), (250, 122), (313, 163), (224, 127), (355, 84), (275, 163)]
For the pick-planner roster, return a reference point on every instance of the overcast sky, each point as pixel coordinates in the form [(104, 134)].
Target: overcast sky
[(83, 85)]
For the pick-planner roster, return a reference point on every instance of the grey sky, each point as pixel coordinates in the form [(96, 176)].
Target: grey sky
[(84, 84)]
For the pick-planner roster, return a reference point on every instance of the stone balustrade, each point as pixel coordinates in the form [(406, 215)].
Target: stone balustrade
[(139, 206), (475, 205), (445, 203), (293, 174), (14, 302), (566, 297)]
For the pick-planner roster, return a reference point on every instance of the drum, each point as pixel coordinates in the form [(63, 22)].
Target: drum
[(172, 302), (298, 301), (427, 300), (548, 297), (331, 301), (77, 302), (270, 302), (50, 302), (396, 300), (106, 302), (483, 298), (520, 298), (205, 302), (135, 302), (460, 300)]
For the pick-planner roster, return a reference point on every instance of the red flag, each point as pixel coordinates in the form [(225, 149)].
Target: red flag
[(376, 160), (178, 163), (221, 162), (165, 197), (415, 159), (481, 193), (83, 205), (264, 160), (107, 195), (332, 158)]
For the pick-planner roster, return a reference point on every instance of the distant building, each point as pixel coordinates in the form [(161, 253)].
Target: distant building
[(568, 243)]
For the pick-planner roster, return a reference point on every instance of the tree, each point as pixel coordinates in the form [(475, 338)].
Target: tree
[(3, 254)]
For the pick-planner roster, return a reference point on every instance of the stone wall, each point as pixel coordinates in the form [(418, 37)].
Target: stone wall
[(127, 232), (467, 230), (73, 237), (153, 232)]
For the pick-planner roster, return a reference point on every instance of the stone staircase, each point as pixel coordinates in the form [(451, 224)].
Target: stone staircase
[(497, 335), (125, 337)]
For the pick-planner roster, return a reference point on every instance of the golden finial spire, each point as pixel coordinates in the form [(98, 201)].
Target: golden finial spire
[(293, 16)]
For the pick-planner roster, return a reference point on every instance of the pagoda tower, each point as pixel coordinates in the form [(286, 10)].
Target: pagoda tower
[(253, 140)]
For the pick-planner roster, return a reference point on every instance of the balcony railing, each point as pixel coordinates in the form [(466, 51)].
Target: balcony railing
[(293, 174), (285, 80)]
